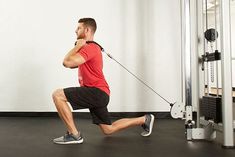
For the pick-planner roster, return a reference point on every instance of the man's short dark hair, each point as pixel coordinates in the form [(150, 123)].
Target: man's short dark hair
[(89, 22)]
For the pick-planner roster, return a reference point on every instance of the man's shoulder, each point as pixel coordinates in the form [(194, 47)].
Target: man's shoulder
[(92, 46)]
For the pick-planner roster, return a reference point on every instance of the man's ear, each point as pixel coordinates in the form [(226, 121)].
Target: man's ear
[(87, 29)]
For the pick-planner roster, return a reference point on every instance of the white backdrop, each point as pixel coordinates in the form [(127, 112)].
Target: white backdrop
[(144, 35), (233, 39)]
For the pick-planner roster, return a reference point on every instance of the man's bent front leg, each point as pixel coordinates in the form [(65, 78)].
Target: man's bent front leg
[(64, 110)]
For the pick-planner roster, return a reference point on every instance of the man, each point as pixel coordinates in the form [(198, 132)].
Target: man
[(93, 92)]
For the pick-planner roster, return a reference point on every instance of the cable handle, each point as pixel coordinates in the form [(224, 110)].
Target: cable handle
[(88, 42), (101, 48)]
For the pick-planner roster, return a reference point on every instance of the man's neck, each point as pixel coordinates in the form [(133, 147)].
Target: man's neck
[(89, 38)]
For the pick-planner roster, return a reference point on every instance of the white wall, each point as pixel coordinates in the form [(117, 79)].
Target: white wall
[(36, 34), (233, 39)]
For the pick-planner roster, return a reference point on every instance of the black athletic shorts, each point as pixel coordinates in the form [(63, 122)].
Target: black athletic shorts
[(92, 98)]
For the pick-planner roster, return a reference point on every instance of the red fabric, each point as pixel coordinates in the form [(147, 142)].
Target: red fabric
[(90, 73)]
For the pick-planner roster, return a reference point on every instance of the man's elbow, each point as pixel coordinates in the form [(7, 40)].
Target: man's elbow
[(65, 64), (69, 65)]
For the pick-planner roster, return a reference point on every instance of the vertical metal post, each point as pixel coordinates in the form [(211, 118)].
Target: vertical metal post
[(216, 48), (201, 50), (227, 107), (207, 50), (186, 44), (187, 54)]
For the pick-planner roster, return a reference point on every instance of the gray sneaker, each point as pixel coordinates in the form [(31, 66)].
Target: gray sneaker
[(69, 139), (148, 125)]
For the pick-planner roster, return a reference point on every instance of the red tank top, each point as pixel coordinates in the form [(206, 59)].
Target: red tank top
[(90, 73)]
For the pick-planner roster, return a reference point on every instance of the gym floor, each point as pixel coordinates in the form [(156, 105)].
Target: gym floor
[(32, 137)]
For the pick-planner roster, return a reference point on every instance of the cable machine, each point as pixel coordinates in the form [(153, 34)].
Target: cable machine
[(213, 112)]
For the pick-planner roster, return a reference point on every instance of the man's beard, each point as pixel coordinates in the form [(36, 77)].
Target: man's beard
[(81, 36)]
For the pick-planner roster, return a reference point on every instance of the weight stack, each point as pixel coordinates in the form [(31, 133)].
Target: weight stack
[(211, 108)]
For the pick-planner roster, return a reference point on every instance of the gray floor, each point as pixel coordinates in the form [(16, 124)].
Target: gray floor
[(31, 137)]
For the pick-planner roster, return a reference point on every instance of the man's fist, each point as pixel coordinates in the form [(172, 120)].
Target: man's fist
[(80, 42)]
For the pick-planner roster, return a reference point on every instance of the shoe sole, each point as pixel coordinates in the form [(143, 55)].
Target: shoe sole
[(150, 128), (70, 142)]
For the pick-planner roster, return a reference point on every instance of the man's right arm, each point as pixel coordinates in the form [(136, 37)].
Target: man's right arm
[(72, 59)]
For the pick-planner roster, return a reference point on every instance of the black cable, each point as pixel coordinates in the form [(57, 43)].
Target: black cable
[(137, 77)]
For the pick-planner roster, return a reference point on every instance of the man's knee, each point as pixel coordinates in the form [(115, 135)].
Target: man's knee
[(106, 129), (58, 94)]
